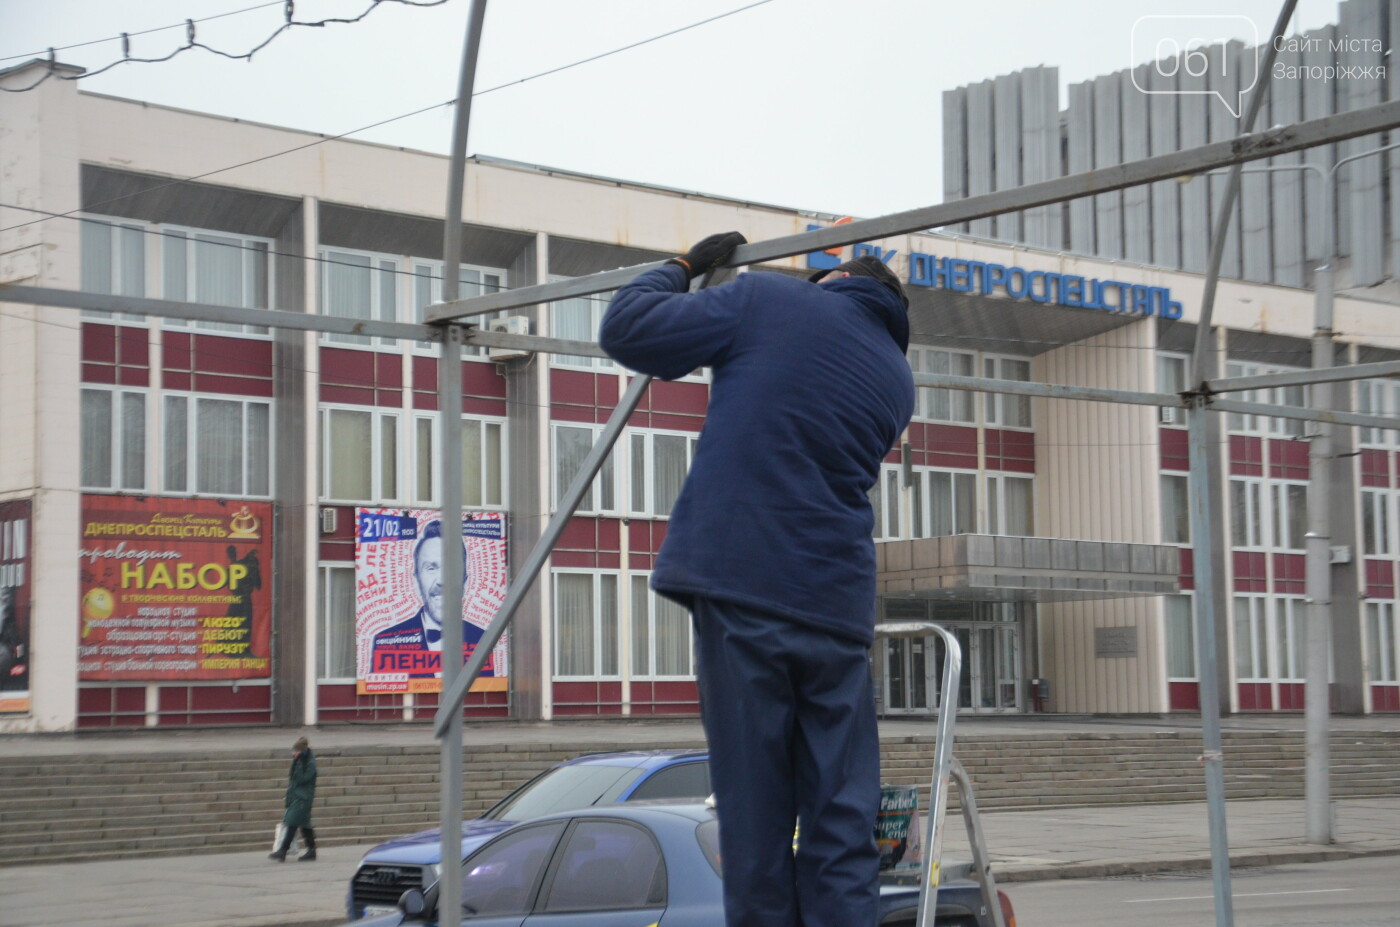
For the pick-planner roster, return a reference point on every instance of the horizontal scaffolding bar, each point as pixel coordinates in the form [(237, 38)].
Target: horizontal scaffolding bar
[(203, 312), (534, 343), (1256, 146), (1302, 377), (1046, 390), (207, 312), (1359, 419)]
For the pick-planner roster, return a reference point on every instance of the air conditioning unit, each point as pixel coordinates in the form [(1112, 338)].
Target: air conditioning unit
[(328, 519), (1171, 415), (510, 325)]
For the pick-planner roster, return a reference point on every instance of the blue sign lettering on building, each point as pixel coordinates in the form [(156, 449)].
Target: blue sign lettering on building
[(822, 260), (831, 258), (1040, 286)]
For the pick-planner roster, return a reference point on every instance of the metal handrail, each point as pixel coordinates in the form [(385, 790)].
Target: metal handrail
[(942, 758)]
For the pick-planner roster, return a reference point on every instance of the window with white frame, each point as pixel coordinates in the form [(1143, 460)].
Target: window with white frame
[(1377, 522), (1290, 615), (1176, 512), (359, 285), (1181, 637), (577, 319), (1003, 409), (483, 464), (471, 281), (885, 504), (1172, 373), (585, 625), (1378, 397), (113, 262), (217, 446), (220, 269), (943, 405), (661, 638), (944, 503), (335, 637), (1246, 512), (360, 455), (1252, 663), (113, 439), (1239, 422), (1242, 423), (571, 445), (1382, 642), (425, 442), (1288, 503), (1011, 505), (657, 464), (366, 457)]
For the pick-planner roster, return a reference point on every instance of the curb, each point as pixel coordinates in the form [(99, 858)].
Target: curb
[(1240, 860)]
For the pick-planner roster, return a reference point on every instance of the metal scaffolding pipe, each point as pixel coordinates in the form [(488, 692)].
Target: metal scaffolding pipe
[(1304, 377), (450, 428), (1265, 144)]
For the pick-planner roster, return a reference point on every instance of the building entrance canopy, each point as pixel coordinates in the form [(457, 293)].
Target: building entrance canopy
[(986, 568)]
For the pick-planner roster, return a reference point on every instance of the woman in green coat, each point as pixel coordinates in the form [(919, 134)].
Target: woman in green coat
[(301, 791)]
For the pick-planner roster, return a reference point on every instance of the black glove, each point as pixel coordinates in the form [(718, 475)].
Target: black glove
[(709, 253)]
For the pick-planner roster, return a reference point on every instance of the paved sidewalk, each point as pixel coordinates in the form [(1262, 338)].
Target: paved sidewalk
[(248, 890)]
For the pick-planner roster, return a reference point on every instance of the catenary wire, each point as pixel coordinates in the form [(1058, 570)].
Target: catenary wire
[(191, 43), (115, 38), (382, 122)]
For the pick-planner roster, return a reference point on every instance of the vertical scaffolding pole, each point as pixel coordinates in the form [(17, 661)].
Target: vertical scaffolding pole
[(450, 414), (1205, 567), (1203, 528)]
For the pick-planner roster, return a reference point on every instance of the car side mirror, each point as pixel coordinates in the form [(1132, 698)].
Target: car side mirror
[(413, 902)]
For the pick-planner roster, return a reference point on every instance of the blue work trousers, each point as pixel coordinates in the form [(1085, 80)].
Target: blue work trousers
[(790, 718)]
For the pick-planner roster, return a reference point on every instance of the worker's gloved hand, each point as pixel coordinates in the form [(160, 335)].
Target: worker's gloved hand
[(709, 253)]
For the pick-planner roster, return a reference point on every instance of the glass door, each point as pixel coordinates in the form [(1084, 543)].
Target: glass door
[(991, 669), (908, 688)]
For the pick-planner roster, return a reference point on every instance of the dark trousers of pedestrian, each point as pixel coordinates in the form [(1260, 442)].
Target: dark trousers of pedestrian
[(789, 714), (308, 837)]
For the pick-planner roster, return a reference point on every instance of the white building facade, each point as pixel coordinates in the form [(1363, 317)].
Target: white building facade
[(1060, 525)]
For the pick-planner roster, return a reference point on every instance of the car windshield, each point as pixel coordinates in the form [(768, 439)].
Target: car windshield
[(566, 788)]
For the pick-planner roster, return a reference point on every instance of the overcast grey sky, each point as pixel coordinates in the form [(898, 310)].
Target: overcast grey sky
[(825, 105)]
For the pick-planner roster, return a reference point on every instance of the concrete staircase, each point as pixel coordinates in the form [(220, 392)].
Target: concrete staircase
[(89, 807)]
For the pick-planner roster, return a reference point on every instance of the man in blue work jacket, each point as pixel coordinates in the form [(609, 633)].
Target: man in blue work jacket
[(770, 547)]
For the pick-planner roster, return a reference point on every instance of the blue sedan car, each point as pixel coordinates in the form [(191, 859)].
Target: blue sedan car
[(390, 869), (632, 865)]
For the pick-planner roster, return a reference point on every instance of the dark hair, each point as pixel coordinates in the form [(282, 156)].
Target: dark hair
[(433, 529)]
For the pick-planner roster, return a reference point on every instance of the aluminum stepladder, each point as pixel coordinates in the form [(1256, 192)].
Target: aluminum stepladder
[(946, 767)]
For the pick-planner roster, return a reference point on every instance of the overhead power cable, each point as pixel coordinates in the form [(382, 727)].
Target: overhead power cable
[(191, 42), (128, 35), (384, 122)]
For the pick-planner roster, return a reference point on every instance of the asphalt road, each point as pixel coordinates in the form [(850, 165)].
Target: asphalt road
[(1355, 892)]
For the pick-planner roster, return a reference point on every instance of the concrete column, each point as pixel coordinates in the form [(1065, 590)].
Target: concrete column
[(294, 600), (40, 375), (527, 427)]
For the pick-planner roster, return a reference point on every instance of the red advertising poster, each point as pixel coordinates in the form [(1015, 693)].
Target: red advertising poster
[(175, 589), (398, 597), (15, 521)]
